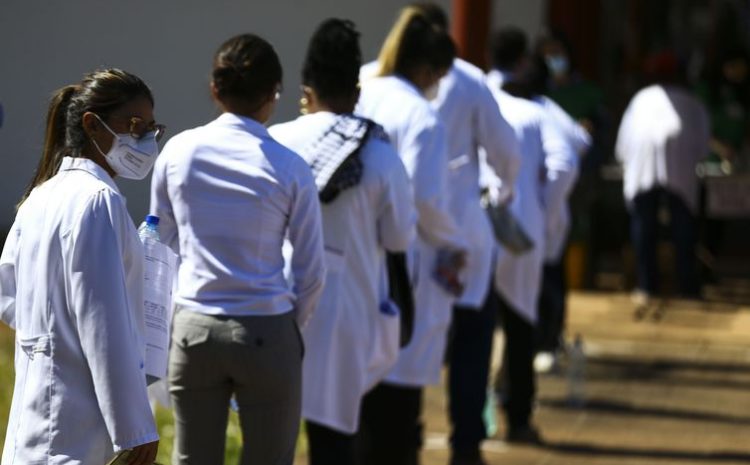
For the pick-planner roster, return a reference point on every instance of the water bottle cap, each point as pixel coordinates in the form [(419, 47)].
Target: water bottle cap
[(152, 219)]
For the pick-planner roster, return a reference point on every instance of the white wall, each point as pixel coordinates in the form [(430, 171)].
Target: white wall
[(169, 43)]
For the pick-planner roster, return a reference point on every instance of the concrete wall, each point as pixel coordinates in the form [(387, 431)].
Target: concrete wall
[(169, 43)]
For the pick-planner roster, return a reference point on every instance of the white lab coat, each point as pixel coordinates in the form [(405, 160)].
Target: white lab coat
[(558, 219), (71, 280), (663, 134), (547, 171), (473, 122), (419, 137), (350, 343)]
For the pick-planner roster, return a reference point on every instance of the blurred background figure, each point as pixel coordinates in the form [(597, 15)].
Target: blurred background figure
[(352, 339), (725, 90), (664, 133), (473, 122), (548, 171), (413, 59), (553, 295)]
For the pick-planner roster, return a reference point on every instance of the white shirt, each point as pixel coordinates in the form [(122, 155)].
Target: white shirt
[(547, 171), (349, 328), (415, 130), (71, 284), (473, 122), (663, 134), (227, 195)]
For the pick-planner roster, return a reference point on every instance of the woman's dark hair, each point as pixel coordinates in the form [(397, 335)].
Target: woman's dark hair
[(333, 60), (509, 45), (414, 41), (246, 70), (101, 92), (434, 13)]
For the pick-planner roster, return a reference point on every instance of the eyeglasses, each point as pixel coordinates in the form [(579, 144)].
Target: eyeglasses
[(138, 128)]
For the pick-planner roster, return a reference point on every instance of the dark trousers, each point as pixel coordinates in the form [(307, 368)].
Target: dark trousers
[(469, 365), (551, 308), (327, 446), (515, 383), (390, 429), (645, 236)]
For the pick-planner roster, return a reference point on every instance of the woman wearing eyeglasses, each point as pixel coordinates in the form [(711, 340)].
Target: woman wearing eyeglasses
[(227, 195), (71, 283)]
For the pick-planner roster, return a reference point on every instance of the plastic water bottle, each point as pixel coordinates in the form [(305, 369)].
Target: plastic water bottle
[(489, 415), (149, 229), (577, 374)]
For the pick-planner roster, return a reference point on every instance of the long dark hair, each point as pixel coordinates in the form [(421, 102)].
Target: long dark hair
[(101, 92), (333, 60)]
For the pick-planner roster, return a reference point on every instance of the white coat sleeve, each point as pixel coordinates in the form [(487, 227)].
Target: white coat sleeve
[(8, 278), (105, 321), (425, 157), (578, 138), (397, 217), (561, 166), (161, 205), (623, 145), (496, 136), (306, 238)]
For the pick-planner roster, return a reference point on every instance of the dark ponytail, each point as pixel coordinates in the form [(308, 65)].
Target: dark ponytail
[(54, 137), (101, 92)]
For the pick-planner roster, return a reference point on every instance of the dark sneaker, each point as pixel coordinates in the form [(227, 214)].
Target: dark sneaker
[(523, 435)]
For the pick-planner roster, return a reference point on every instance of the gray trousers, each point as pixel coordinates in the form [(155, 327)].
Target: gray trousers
[(256, 358)]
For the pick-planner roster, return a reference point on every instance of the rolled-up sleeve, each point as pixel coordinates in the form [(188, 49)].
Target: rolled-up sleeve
[(306, 238), (105, 320)]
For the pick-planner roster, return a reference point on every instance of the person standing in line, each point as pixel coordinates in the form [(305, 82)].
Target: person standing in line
[(552, 298), (547, 174), (473, 122), (663, 134), (413, 59), (71, 283), (367, 208), (228, 194)]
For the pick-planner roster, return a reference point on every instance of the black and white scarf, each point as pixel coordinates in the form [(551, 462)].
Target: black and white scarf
[(334, 157)]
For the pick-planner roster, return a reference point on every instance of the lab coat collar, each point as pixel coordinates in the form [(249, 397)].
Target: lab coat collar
[(89, 166), (248, 124)]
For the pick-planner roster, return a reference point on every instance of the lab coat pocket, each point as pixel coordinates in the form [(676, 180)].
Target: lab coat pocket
[(36, 370), (189, 335), (385, 347)]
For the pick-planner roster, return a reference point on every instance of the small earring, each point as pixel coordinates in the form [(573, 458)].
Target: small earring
[(303, 102)]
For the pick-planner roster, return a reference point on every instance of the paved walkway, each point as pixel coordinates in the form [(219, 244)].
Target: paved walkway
[(671, 387)]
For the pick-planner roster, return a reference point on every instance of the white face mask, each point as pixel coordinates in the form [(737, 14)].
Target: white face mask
[(129, 157), (431, 92), (558, 64)]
